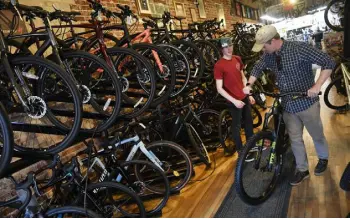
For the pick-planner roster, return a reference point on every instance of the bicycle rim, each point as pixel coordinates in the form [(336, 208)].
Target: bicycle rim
[(256, 180)]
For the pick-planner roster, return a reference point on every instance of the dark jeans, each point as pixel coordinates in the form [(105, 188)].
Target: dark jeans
[(237, 115)]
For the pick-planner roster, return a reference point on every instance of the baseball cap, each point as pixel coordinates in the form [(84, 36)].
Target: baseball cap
[(225, 42), (264, 34)]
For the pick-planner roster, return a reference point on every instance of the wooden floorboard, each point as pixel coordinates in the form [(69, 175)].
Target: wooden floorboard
[(318, 196)]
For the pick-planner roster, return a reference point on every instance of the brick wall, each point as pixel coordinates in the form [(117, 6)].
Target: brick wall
[(210, 8)]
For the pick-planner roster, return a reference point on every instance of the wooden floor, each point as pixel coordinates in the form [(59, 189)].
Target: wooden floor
[(316, 197)]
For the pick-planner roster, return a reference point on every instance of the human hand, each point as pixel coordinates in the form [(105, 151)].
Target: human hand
[(247, 90), (239, 104), (314, 91), (251, 100)]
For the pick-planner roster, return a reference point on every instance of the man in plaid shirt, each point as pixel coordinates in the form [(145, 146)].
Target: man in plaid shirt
[(292, 64)]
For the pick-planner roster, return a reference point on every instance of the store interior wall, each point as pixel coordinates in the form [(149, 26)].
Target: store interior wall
[(211, 9)]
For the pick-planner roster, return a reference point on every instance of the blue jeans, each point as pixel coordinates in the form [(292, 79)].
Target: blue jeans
[(237, 115), (295, 123)]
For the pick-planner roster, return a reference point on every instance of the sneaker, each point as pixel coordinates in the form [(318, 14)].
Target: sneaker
[(321, 167), (299, 177)]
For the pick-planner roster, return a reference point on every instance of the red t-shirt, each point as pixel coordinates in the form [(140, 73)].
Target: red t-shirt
[(230, 72)]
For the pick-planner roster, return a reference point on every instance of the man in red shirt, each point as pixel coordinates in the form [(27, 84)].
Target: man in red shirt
[(230, 81)]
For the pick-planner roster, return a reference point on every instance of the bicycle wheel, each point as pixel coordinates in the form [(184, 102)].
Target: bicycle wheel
[(195, 58), (111, 199), (225, 121), (71, 212), (148, 181), (256, 180), (345, 179), (198, 144), (208, 127), (334, 15), (137, 80), (51, 90), (245, 44), (99, 86), (210, 53), (182, 67), (335, 95), (6, 140), (175, 162), (162, 66)]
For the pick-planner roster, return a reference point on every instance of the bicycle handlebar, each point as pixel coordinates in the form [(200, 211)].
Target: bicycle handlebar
[(278, 95)]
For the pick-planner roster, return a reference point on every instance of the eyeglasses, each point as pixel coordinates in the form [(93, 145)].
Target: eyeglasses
[(279, 62)]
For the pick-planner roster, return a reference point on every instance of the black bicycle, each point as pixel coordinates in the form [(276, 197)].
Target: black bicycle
[(255, 181), (26, 204), (33, 87)]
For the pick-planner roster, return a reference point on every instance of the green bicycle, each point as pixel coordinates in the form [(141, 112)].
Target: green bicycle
[(255, 181)]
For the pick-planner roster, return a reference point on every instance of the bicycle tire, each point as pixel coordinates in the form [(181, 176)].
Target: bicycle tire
[(163, 192), (329, 91), (224, 131), (109, 82), (195, 58), (117, 186), (345, 179), (266, 193), (184, 161), (69, 134), (198, 144), (71, 210), (182, 67), (209, 118), (147, 69), (210, 59), (166, 85), (6, 140), (335, 28)]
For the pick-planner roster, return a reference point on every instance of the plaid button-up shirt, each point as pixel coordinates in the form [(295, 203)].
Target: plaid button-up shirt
[(294, 73)]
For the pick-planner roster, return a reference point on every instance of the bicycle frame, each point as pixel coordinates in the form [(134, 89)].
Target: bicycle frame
[(21, 89), (346, 75)]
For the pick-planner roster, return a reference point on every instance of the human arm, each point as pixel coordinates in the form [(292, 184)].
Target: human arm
[(256, 72), (316, 56), (222, 92)]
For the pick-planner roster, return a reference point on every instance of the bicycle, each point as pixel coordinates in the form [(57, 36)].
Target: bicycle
[(337, 93), (148, 181), (99, 86), (26, 204), (170, 157), (268, 147), (334, 15), (31, 100), (68, 186)]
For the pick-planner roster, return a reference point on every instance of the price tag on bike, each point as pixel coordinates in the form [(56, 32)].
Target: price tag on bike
[(129, 20), (263, 97)]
